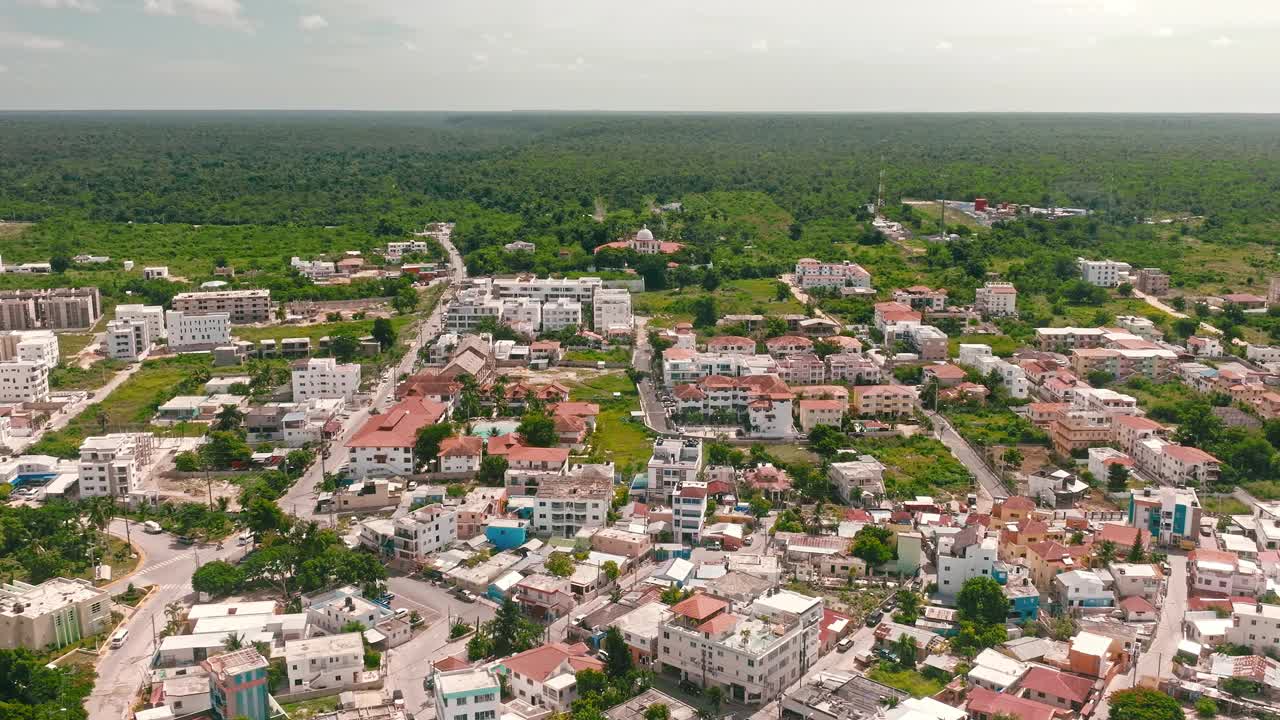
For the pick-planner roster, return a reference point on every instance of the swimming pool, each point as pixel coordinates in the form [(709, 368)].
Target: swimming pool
[(490, 428), (33, 479)]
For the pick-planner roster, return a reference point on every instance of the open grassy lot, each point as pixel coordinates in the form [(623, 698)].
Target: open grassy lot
[(9, 231), (131, 405), (988, 426), (618, 439), (74, 377), (358, 328), (928, 211), (612, 355), (908, 681), (1001, 345), (70, 344), (757, 296), (1223, 505), (310, 708), (917, 465)]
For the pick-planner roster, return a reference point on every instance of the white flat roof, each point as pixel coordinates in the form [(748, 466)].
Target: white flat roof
[(264, 607), (788, 602)]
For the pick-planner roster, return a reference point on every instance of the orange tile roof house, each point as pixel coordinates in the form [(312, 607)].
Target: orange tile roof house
[(460, 454), (544, 676), (984, 704), (820, 412), (945, 373), (1053, 687), (384, 444), (699, 607)]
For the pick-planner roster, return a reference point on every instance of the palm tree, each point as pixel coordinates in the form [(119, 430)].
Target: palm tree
[(1106, 552), (228, 418), (222, 503), (173, 616), (233, 641)]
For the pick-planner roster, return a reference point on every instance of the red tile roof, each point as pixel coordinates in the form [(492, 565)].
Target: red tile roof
[(1122, 535), (537, 454), (699, 607), (989, 703), (1058, 684), (580, 409), (540, 662), (399, 425), (814, 404), (1189, 454), (718, 624), (1018, 502), (1137, 603), (460, 446), (945, 371), (502, 444), (730, 340)]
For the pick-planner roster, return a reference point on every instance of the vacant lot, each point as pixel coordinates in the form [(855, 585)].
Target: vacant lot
[(757, 296), (918, 465), (618, 439)]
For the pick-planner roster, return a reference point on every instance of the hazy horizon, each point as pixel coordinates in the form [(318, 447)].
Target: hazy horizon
[(748, 56)]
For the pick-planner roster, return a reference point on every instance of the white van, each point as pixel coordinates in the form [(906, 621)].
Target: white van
[(118, 639), (152, 527)]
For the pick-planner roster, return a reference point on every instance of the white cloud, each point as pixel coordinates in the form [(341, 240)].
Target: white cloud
[(27, 41), (944, 46), (313, 22), (1222, 41), (410, 46), (761, 45), (218, 13), (1163, 32), (88, 6)]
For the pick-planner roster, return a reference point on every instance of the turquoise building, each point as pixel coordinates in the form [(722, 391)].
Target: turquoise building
[(238, 685)]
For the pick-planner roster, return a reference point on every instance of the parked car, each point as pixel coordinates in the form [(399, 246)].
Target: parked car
[(844, 645), (118, 639), (152, 527), (466, 596), (874, 618), (186, 540)]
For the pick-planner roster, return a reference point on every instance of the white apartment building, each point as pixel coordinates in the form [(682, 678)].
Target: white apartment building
[(469, 307), (325, 378), (544, 290), (128, 340), (1256, 625), (1012, 376), (23, 381), (1103, 273), (673, 461), (524, 315), (1104, 400), (687, 366), (1215, 573), (968, 555), (1144, 328), (560, 314), (113, 465), (467, 694), (397, 250), (859, 479), (37, 346), (384, 445), (152, 315), (332, 610), (187, 331), (1262, 353), (753, 654), (1136, 579), (611, 310), (998, 299), (425, 531), (56, 612), (811, 273), (569, 503), (688, 511), (331, 661)]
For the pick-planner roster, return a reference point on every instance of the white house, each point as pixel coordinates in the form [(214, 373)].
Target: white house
[(324, 378), (23, 381), (612, 310), (331, 661), (128, 340), (384, 445), (467, 694), (1103, 273), (996, 299), (461, 454), (113, 465), (152, 315)]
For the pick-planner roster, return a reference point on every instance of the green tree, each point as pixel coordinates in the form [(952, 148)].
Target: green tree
[(1144, 704), (263, 515), (384, 333), (905, 650), (538, 430), (982, 600), (228, 418), (1136, 553), (657, 711), (493, 469), (559, 564), (618, 665), (610, 569), (715, 698), (908, 607), (218, 578), (343, 346), (1117, 478), (225, 449), (760, 507), (875, 545), (1105, 552), (427, 445), (59, 263), (233, 641), (705, 313), (1199, 427), (405, 300), (1206, 707)]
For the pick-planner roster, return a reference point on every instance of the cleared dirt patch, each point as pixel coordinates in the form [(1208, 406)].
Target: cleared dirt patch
[(12, 230)]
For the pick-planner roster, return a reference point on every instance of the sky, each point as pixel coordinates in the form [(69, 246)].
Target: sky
[(651, 55)]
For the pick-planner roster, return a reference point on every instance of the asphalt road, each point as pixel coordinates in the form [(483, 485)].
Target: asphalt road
[(655, 416), (966, 455)]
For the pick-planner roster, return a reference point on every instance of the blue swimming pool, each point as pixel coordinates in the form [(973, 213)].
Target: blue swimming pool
[(33, 479)]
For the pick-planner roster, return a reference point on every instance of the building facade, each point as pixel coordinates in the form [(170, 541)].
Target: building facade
[(242, 306)]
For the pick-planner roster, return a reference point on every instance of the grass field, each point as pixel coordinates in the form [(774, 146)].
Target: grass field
[(908, 681), (1001, 345), (358, 328), (617, 438), (917, 466), (613, 355), (12, 230), (310, 708), (74, 377), (1223, 505), (132, 404), (70, 344), (994, 426), (928, 210), (757, 296)]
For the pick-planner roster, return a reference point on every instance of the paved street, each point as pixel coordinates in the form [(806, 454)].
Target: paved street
[(60, 420), (655, 416), (1157, 661), (170, 566), (966, 455)]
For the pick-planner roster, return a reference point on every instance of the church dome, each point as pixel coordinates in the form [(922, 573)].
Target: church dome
[(644, 234)]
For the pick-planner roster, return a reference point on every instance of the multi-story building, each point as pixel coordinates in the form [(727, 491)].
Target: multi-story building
[(929, 342), (786, 345), (37, 346), (878, 400), (1083, 590), (611, 310), (128, 340), (968, 555), (544, 290), (50, 309), (1152, 281), (461, 454), (996, 299), (238, 685), (751, 655), (1012, 376), (688, 511), (642, 629), (113, 465), (891, 314), (384, 445), (242, 306), (189, 331), (331, 661), (569, 503), (812, 274), (814, 412), (1144, 328), (1169, 514), (467, 694), (412, 538), (643, 243), (1222, 574), (1136, 580), (1155, 364), (324, 379), (853, 368), (674, 461), (333, 610), (858, 480), (545, 597), (1128, 430), (1066, 339), (152, 315), (23, 381), (921, 297), (560, 314), (545, 676), (686, 366), (529, 467), (1103, 273), (469, 307), (1074, 430), (524, 315), (765, 401), (1256, 625), (55, 613), (731, 345)]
